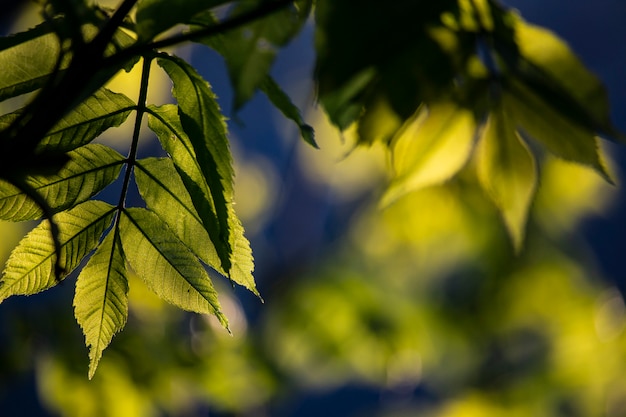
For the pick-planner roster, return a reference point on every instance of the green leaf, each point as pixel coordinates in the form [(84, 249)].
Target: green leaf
[(27, 59), (560, 135), (90, 169), (553, 72), (431, 147), (166, 265), (156, 16), (204, 125), (164, 193), (249, 51), (283, 103), (101, 298), (102, 110), (165, 123), (507, 172), (30, 268)]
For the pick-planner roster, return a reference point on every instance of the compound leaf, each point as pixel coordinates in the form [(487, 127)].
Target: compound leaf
[(101, 298), (166, 265), (30, 268), (90, 169)]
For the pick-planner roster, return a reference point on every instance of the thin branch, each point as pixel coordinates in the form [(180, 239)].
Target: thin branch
[(220, 28)]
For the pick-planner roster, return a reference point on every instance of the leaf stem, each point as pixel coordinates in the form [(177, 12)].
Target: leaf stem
[(141, 109)]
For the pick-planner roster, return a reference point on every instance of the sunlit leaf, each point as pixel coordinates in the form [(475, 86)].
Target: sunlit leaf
[(89, 170), (166, 265), (378, 122), (165, 123), (555, 74), (561, 136), (250, 51), (432, 146), (281, 100), (156, 16), (164, 193), (507, 172), (30, 269), (101, 298), (204, 125)]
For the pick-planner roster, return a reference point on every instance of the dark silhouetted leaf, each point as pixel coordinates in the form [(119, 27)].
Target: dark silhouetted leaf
[(282, 102)]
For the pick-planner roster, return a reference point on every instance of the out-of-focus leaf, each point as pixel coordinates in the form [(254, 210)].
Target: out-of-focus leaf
[(378, 122), (282, 102), (89, 170), (561, 136), (87, 121), (432, 146), (250, 51), (204, 125), (30, 269), (549, 68), (101, 298), (156, 16), (507, 172), (165, 123), (166, 265), (360, 54)]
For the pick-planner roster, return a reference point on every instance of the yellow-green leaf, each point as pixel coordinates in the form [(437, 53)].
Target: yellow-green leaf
[(89, 170), (431, 147), (30, 268), (166, 265), (164, 193), (507, 172), (101, 298), (563, 137)]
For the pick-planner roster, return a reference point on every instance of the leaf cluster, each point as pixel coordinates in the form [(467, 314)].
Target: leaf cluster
[(451, 84), (51, 168)]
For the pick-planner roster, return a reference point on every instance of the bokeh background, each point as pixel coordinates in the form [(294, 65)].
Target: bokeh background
[(417, 309)]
